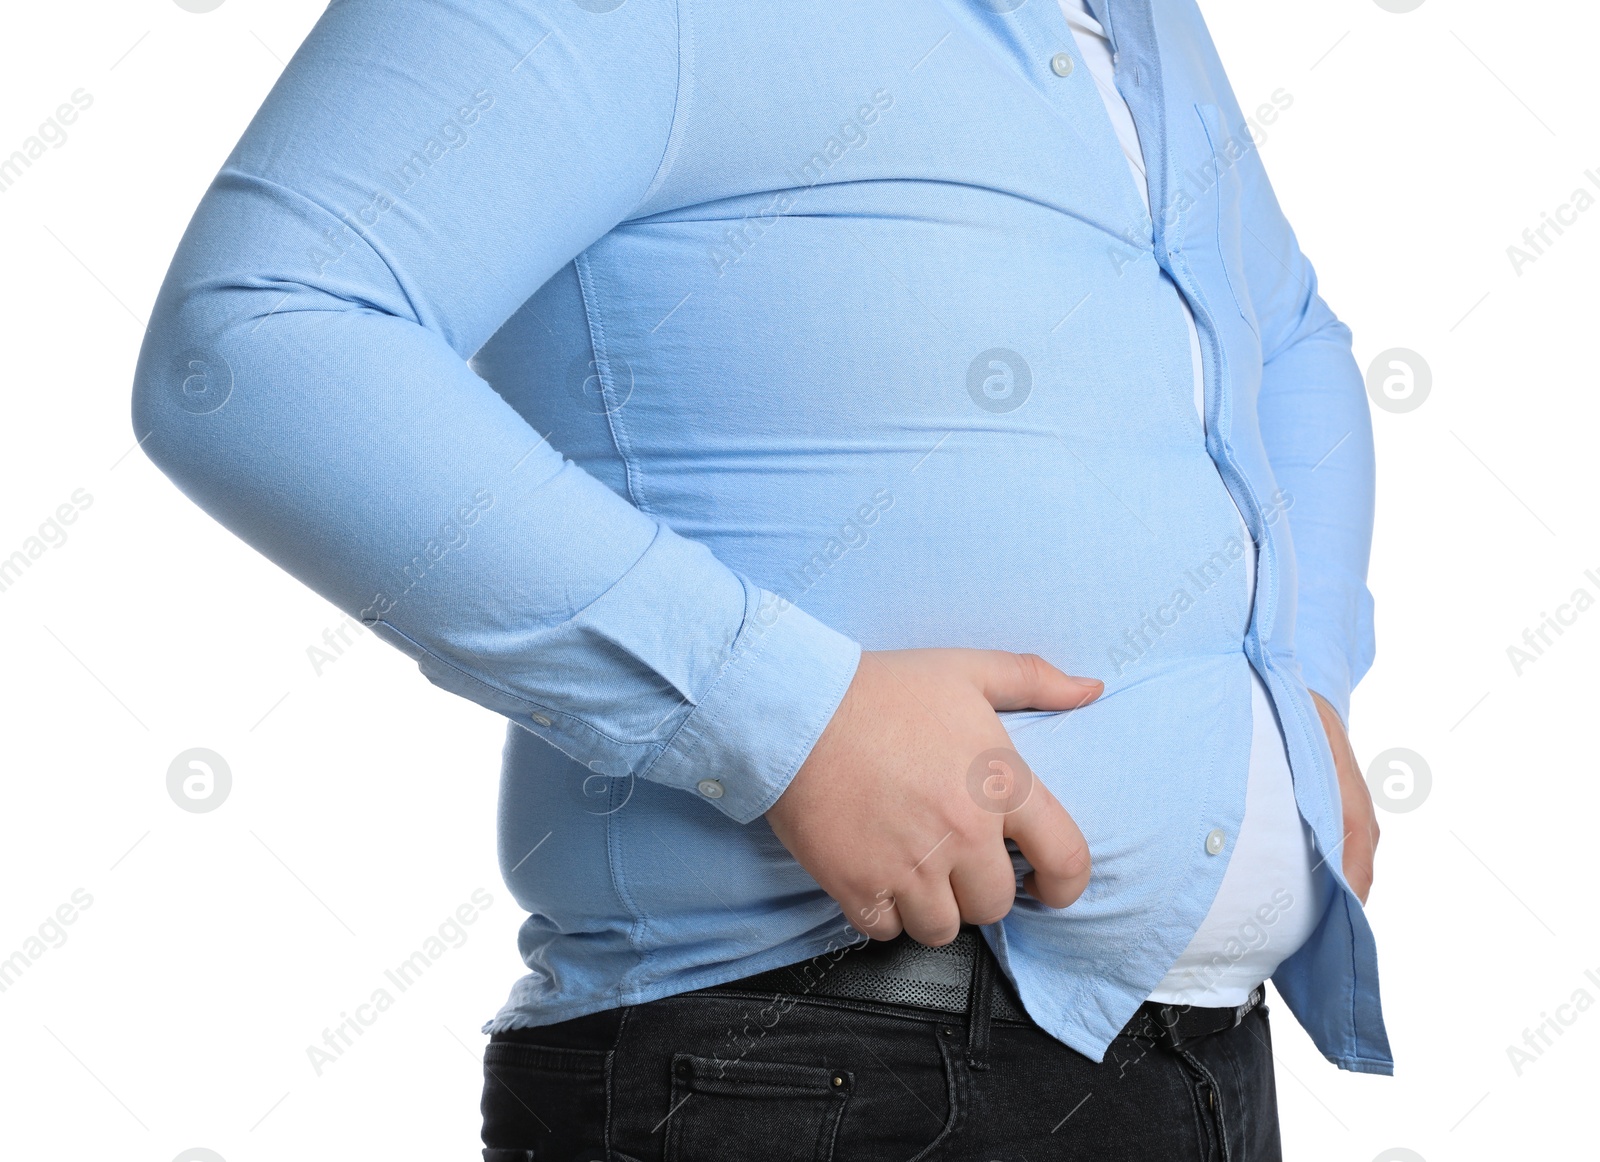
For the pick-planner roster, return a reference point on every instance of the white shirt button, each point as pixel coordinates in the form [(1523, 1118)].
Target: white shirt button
[(710, 788), (1215, 842), (540, 719), (1061, 64)]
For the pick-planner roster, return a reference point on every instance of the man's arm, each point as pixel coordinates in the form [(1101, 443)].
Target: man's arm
[(1317, 428), (418, 171)]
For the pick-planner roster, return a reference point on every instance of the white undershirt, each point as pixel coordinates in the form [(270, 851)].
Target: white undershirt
[(1269, 902)]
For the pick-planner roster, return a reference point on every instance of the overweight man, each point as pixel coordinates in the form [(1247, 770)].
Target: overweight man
[(891, 468)]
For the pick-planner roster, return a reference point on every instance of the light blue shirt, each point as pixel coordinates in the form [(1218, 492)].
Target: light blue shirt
[(633, 370)]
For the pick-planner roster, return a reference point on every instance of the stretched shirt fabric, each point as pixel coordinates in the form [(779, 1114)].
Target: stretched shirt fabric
[(633, 370), (1271, 895)]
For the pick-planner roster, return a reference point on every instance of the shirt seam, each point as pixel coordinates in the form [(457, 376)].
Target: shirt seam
[(669, 148), (1151, 934), (1226, 173), (600, 353), (728, 663), (640, 924), (513, 695), (414, 315), (1331, 785)]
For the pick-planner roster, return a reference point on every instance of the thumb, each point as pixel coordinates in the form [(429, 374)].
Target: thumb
[(1027, 682)]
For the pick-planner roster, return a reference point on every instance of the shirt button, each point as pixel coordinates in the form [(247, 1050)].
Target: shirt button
[(710, 788), (1215, 842), (1061, 64), (540, 719)]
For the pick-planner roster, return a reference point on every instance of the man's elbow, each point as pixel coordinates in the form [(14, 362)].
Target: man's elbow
[(181, 382)]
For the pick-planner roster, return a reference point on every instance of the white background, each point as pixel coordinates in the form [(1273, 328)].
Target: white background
[(218, 946)]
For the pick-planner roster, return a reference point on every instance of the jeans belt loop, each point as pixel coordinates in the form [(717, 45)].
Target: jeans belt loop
[(1167, 1018)]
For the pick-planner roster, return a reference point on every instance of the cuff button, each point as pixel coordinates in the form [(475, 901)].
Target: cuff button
[(710, 788)]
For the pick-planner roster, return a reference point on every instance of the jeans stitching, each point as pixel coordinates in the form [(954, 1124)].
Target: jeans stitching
[(957, 1087), (1214, 1116)]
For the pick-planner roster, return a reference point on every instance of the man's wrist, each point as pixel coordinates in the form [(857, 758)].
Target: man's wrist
[(785, 676)]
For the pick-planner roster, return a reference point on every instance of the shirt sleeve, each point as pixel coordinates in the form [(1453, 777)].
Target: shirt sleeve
[(1317, 429), (418, 171)]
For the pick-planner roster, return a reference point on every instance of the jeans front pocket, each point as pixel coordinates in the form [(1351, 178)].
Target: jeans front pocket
[(741, 1110), (542, 1103)]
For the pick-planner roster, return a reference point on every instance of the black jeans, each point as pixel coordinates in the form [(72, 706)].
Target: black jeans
[(759, 1077)]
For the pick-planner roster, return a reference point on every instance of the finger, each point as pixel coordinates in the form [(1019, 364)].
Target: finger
[(1052, 843), (985, 890), (929, 912), (1359, 877), (1357, 862), (1027, 682), (877, 918)]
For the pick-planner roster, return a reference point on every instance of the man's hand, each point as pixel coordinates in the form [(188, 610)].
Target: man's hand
[(1360, 820), (888, 816)]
